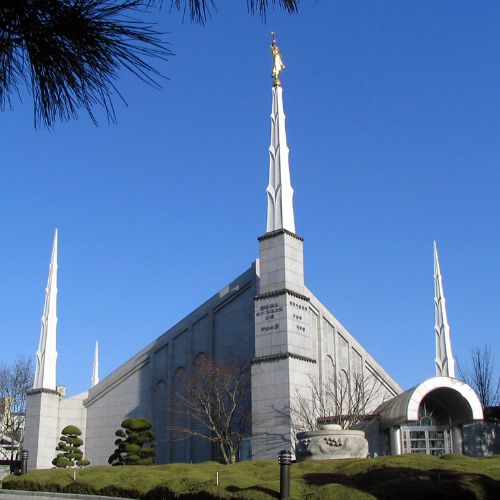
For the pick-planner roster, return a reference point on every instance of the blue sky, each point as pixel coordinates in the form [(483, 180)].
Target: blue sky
[(393, 121)]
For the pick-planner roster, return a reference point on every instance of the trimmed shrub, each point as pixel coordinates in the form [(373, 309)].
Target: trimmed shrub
[(119, 491), (62, 462), (160, 492), (31, 486), (80, 488), (135, 444), (71, 455), (137, 424), (71, 429)]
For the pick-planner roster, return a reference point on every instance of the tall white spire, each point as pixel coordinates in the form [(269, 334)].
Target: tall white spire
[(279, 191), (445, 364), (46, 356), (95, 368)]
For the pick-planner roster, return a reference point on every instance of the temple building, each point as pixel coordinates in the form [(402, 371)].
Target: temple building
[(268, 318)]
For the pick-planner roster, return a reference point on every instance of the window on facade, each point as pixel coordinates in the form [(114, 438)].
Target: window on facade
[(343, 353), (431, 412), (357, 362), (430, 440), (329, 336), (245, 450), (329, 382)]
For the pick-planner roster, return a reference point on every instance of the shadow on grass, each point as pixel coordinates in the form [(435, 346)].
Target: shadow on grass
[(408, 483), (261, 489)]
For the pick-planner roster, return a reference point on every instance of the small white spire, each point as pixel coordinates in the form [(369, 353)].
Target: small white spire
[(445, 364), (95, 368), (46, 356), (279, 191)]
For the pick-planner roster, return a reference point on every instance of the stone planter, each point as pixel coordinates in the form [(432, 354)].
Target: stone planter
[(331, 442)]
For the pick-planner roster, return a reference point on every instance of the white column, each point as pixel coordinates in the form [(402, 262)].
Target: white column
[(95, 367), (283, 354), (457, 439), (395, 438), (445, 364), (46, 356), (42, 427), (279, 191)]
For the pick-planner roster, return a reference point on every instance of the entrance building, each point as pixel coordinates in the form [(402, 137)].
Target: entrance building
[(429, 417)]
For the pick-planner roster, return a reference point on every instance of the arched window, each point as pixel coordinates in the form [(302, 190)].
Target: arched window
[(160, 408), (343, 392), (178, 446), (329, 385), (432, 412)]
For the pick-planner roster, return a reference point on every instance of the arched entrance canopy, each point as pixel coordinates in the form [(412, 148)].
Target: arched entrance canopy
[(405, 406)]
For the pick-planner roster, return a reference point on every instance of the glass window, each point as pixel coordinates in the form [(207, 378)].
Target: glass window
[(432, 440), (245, 450)]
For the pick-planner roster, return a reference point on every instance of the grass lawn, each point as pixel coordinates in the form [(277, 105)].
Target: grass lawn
[(404, 477)]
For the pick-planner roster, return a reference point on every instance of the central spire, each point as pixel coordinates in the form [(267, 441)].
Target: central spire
[(279, 191), (445, 364), (46, 356)]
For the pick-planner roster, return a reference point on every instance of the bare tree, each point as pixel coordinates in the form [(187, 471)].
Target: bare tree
[(481, 376), (340, 400), (15, 380), (214, 401)]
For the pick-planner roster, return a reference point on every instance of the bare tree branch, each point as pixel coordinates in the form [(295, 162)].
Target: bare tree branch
[(341, 400), (481, 376), (213, 403), (15, 380)]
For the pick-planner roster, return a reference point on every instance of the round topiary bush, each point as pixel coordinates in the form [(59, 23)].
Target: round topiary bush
[(135, 443), (71, 429), (71, 455)]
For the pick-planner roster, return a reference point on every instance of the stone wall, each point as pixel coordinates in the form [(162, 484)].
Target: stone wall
[(146, 385), (481, 439)]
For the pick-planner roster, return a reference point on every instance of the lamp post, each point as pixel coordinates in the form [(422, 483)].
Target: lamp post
[(284, 459)]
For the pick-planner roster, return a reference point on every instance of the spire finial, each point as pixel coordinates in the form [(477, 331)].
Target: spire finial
[(95, 368), (46, 356), (278, 65), (445, 364)]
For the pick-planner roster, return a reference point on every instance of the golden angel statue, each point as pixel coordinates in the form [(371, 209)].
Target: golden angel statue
[(278, 65)]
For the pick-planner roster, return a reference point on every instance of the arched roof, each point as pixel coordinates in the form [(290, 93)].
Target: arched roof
[(404, 407)]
